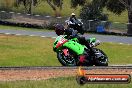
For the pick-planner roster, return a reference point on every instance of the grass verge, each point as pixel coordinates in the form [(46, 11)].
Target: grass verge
[(26, 51), (69, 82), (4, 27), (37, 51)]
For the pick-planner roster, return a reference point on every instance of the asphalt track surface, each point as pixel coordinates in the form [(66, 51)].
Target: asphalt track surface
[(43, 73), (102, 38), (64, 67)]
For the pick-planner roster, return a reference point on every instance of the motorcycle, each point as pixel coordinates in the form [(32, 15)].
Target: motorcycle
[(71, 53), (76, 25)]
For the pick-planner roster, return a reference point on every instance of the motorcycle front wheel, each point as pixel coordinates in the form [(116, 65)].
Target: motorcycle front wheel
[(66, 60), (101, 58)]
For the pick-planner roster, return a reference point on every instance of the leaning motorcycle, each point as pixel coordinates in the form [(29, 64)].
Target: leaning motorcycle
[(71, 53)]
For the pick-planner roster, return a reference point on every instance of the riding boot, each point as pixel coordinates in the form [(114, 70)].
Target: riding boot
[(91, 50), (83, 41)]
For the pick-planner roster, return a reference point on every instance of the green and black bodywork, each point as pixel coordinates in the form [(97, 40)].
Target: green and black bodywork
[(69, 51)]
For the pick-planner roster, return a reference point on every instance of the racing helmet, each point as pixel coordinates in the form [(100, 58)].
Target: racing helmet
[(59, 29), (73, 14)]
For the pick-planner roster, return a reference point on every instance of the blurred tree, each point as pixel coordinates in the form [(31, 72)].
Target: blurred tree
[(58, 3), (54, 5), (128, 5), (75, 3), (115, 6), (6, 4), (28, 4), (118, 6), (92, 11)]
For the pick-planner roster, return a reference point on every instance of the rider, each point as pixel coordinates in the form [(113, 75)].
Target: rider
[(71, 33), (74, 23), (73, 18)]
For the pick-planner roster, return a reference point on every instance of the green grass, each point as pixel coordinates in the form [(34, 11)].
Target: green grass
[(4, 27), (118, 53), (26, 51), (123, 18), (36, 51), (69, 82)]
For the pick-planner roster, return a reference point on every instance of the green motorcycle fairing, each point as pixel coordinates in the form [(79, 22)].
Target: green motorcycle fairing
[(71, 44), (76, 47), (58, 39), (91, 40)]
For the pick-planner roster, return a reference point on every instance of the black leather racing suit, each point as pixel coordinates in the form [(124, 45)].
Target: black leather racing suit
[(71, 33), (76, 25)]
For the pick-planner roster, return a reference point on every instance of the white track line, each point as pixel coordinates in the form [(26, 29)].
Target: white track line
[(18, 34), (43, 36), (28, 14), (3, 11), (121, 43), (18, 13), (11, 12), (7, 33), (37, 15), (32, 35)]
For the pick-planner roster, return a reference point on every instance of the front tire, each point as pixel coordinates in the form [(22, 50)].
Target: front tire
[(101, 58), (66, 60)]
